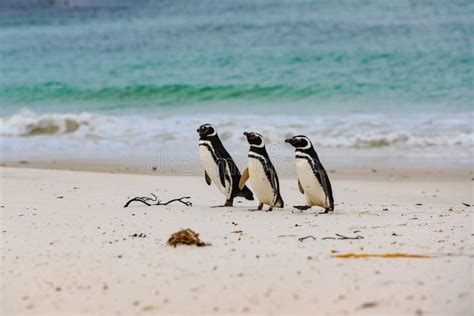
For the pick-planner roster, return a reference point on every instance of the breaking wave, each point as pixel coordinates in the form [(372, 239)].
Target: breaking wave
[(360, 131)]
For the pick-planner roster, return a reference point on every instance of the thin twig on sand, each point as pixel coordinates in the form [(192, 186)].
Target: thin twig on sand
[(306, 237), (153, 201), (380, 255), (342, 237)]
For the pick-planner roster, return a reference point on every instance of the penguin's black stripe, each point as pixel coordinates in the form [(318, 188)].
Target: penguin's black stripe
[(316, 174), (218, 161), (213, 154), (265, 167)]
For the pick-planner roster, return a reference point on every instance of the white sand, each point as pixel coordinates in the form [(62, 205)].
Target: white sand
[(73, 255)]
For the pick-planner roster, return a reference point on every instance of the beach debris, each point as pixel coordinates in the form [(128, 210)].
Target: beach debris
[(60, 197), (368, 305), (147, 308), (280, 236), (141, 235), (466, 204), (396, 235), (385, 209), (342, 237), (418, 204), (380, 255), (306, 237), (153, 201), (186, 237), (237, 232), (235, 224)]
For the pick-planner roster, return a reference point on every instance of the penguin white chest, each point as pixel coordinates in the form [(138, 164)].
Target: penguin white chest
[(212, 170), (313, 190), (260, 182)]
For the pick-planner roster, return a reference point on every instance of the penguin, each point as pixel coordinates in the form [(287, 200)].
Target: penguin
[(262, 174), (219, 167), (313, 181)]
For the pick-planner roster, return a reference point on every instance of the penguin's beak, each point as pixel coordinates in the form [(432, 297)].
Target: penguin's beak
[(246, 133), (291, 141), (201, 131)]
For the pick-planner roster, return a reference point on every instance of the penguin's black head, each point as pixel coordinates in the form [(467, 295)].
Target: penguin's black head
[(255, 139), (206, 130), (299, 141)]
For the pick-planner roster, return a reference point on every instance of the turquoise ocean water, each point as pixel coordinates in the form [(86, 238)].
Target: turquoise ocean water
[(135, 78)]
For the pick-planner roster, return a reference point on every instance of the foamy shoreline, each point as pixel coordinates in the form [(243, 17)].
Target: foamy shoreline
[(350, 140), (68, 247)]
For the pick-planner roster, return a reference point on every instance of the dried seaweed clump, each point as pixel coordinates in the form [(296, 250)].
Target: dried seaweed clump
[(186, 237), (380, 255)]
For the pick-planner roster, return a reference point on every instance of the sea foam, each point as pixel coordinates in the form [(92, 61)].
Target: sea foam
[(356, 131)]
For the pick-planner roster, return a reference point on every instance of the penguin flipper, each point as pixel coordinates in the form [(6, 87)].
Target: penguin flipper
[(279, 201), (276, 187), (221, 165), (274, 180), (243, 178), (326, 184), (300, 187), (206, 176)]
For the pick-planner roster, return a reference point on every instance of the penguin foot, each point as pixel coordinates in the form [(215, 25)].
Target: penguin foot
[(302, 207), (326, 211), (270, 209), (228, 203)]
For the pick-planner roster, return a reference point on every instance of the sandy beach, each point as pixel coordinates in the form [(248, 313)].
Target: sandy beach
[(104, 101), (68, 247)]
